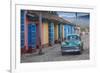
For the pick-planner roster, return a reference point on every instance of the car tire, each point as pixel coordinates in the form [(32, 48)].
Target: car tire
[(63, 53), (80, 52)]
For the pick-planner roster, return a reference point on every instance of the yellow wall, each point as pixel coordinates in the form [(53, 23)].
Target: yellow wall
[(45, 33), (56, 31)]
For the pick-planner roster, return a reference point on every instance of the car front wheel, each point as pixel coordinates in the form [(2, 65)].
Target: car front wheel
[(63, 53)]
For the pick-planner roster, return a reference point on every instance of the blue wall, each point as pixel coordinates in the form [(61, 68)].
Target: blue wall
[(65, 31), (22, 28), (32, 35), (51, 33), (68, 29)]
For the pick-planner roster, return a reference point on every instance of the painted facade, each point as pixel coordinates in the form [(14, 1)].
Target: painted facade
[(36, 32), (45, 33), (56, 32), (51, 33)]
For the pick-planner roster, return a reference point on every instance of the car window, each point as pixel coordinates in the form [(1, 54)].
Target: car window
[(73, 37)]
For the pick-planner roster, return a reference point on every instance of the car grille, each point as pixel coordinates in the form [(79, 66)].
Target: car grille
[(69, 48)]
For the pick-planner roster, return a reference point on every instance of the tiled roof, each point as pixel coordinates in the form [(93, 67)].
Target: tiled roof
[(48, 16)]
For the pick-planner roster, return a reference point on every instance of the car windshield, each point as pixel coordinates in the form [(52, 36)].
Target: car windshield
[(73, 37)]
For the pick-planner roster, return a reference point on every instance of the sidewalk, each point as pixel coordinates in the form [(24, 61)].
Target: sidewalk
[(44, 50)]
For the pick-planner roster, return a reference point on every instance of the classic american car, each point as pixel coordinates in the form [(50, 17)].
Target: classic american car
[(72, 44)]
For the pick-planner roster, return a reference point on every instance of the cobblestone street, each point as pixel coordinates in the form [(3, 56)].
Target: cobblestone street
[(54, 54)]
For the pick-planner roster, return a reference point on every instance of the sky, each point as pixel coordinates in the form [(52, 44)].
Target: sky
[(82, 18)]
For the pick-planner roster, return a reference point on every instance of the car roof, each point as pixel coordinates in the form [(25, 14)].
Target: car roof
[(73, 35)]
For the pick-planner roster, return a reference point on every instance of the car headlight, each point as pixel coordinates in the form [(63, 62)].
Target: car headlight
[(63, 43), (77, 47)]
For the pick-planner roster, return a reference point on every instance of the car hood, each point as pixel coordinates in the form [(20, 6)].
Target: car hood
[(71, 43)]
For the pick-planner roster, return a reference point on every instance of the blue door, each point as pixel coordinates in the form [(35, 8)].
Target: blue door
[(32, 35), (69, 29), (22, 28), (51, 33), (65, 30)]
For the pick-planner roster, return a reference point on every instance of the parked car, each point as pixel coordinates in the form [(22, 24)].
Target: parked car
[(73, 44)]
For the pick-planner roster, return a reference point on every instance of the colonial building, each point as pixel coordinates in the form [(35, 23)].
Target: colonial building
[(42, 29)]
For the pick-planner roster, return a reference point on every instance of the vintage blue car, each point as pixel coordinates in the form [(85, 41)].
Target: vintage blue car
[(72, 44)]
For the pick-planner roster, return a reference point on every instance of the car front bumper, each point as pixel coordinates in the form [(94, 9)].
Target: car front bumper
[(64, 49)]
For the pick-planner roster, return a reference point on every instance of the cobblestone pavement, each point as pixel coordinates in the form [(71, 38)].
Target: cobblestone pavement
[(54, 54)]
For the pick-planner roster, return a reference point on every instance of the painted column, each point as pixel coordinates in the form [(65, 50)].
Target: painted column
[(40, 27), (60, 32), (56, 32), (26, 30), (40, 33)]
